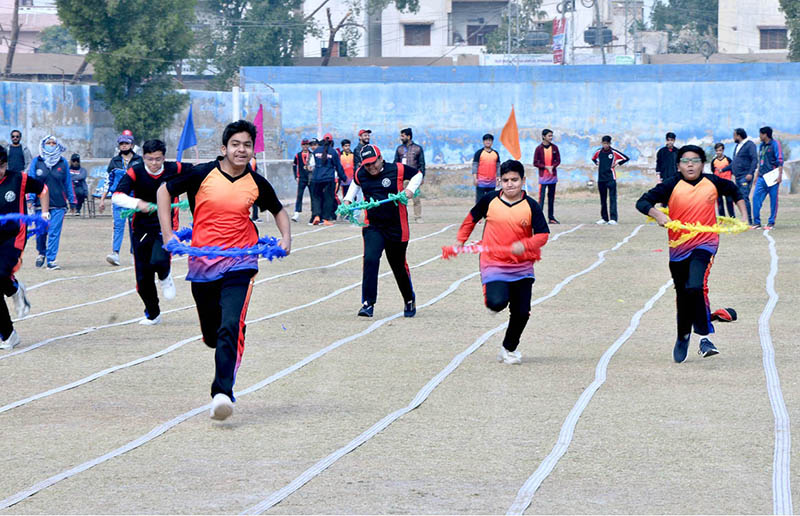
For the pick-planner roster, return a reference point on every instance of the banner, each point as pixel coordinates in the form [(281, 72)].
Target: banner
[(559, 39)]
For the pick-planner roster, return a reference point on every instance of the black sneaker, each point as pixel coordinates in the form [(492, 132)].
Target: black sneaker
[(707, 348), (366, 310), (553, 220), (40, 260), (680, 350), (410, 309)]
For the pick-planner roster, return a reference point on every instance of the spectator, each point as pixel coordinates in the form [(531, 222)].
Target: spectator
[(363, 139), (299, 167), (347, 158), (323, 182), (768, 177), (743, 165), (53, 170), (78, 175), (485, 168), (411, 154), (547, 159), (666, 159), (117, 167), (19, 156), (607, 159), (718, 166)]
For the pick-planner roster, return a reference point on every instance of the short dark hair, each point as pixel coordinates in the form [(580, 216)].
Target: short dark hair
[(345, 142), (692, 148), (719, 145), (488, 136), (606, 139), (741, 132), (545, 132), (512, 165), (670, 136), (766, 130), (240, 126), (3, 155), (407, 132), (151, 146), (16, 131)]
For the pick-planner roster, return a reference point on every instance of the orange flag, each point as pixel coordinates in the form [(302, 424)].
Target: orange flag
[(509, 137)]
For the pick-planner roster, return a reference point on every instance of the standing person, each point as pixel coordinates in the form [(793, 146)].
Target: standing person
[(388, 225), (221, 194), (14, 186), (347, 158), (363, 139), (117, 168), (79, 187), (19, 156), (300, 169), (485, 168), (150, 259), (743, 165), (719, 165), (547, 159), (666, 159), (323, 181), (691, 198), (411, 154), (53, 170), (607, 160), (768, 177), (313, 145)]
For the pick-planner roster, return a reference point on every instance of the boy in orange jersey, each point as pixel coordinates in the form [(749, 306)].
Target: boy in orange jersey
[(691, 198), (547, 159), (485, 168), (515, 230), (718, 165)]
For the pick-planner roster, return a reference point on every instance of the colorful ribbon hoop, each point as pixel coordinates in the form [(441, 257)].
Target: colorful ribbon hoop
[(40, 225), (267, 247), (183, 205), (727, 225), (348, 211)]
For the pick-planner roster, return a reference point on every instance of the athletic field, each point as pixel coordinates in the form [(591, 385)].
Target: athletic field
[(340, 414)]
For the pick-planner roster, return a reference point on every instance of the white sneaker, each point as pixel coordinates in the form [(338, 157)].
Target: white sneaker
[(151, 322), (21, 301), (221, 407), (113, 258), (509, 357), (296, 216), (612, 222), (168, 287), (601, 221), (12, 341)]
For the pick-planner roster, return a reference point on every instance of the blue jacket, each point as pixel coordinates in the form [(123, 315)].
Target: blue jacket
[(57, 179), (326, 170), (744, 162), (770, 156), (116, 169)]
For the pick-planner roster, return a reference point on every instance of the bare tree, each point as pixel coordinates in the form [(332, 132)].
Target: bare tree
[(333, 30), (12, 46), (76, 78)]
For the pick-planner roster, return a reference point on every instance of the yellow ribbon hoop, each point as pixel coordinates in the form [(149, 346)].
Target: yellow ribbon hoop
[(728, 225)]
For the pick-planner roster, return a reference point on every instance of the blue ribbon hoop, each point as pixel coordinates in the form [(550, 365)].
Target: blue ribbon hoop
[(40, 225), (267, 247)]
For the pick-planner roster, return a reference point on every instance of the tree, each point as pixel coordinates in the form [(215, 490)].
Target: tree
[(12, 46), (132, 45), (522, 18), (791, 8), (56, 40), (689, 23)]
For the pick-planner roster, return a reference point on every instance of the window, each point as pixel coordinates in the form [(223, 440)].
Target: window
[(26, 3), (772, 39), (476, 34), (417, 35)]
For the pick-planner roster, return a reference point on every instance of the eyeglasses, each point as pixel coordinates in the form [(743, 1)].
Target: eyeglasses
[(15, 137), (691, 160)]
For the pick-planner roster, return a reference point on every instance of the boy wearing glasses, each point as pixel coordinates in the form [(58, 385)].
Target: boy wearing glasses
[(691, 198)]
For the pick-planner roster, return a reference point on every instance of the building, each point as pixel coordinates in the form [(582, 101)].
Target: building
[(34, 17), (751, 27)]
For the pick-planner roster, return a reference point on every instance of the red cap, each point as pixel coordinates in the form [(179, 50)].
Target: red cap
[(370, 154), (127, 132), (364, 131), (304, 142), (328, 136)]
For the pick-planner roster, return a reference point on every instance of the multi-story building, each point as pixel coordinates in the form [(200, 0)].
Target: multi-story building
[(34, 17), (751, 27)]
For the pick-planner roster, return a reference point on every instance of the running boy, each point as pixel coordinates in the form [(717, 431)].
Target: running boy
[(691, 198), (388, 225), (149, 257), (221, 194), (607, 160), (13, 235), (718, 166), (515, 230)]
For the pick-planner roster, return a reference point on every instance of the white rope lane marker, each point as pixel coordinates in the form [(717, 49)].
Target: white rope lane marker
[(423, 394), (164, 427), (177, 345), (92, 329), (529, 488), (781, 458)]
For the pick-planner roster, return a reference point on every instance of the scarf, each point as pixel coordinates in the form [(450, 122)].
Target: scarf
[(51, 158)]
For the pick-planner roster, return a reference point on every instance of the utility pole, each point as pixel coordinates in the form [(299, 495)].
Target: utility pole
[(599, 30), (564, 5)]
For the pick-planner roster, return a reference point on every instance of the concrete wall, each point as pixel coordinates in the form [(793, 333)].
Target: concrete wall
[(739, 23), (449, 108), (80, 120)]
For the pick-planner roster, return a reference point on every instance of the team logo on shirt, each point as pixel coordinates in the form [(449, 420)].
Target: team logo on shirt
[(11, 196), (386, 182), (39, 172), (523, 223)]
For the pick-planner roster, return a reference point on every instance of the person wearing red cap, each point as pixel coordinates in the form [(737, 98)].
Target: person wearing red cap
[(300, 169), (387, 228), (323, 182)]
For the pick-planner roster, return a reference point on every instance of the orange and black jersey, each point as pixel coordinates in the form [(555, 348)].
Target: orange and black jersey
[(139, 183), (221, 207), (13, 188), (486, 167), (390, 218), (718, 166)]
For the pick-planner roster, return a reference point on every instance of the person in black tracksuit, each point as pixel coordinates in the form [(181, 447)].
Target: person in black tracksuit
[(150, 259), (607, 159), (388, 225)]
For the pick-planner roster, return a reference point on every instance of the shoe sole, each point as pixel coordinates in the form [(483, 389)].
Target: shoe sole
[(364, 315), (709, 353), (109, 260)]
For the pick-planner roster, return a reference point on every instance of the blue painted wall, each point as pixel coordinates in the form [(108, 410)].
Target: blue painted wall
[(449, 108)]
